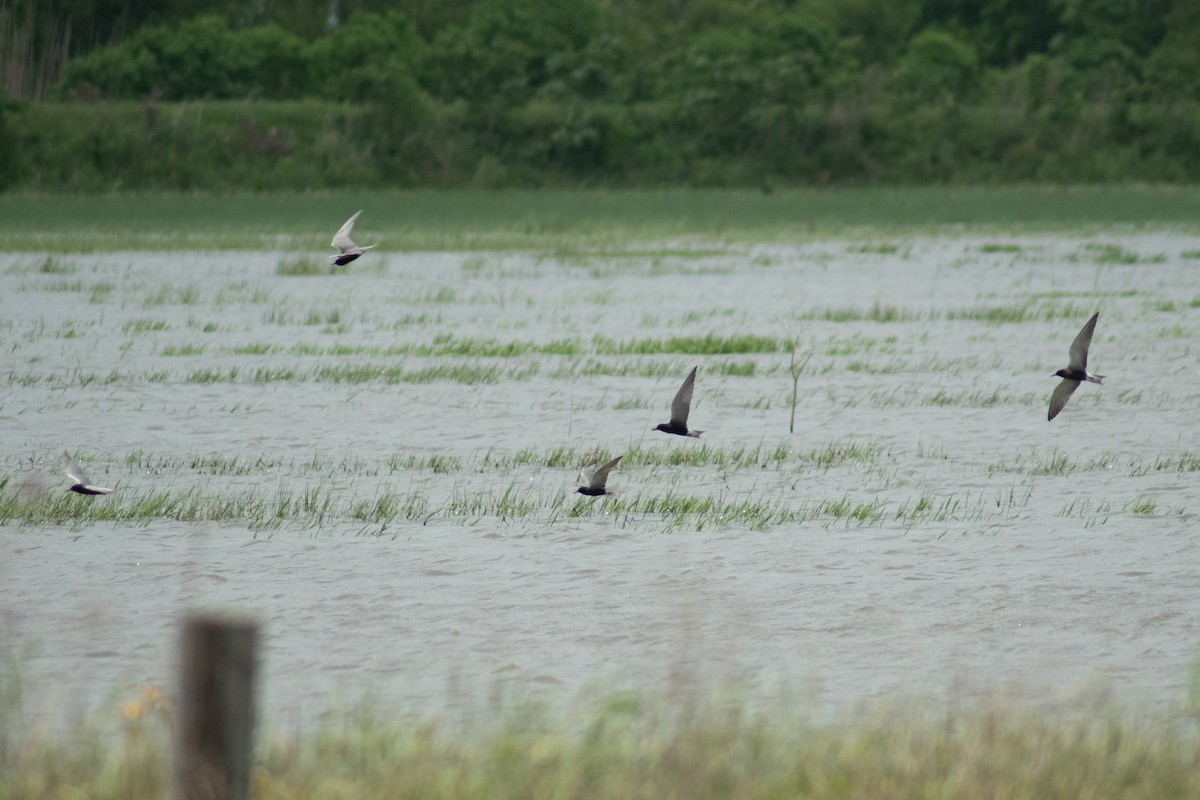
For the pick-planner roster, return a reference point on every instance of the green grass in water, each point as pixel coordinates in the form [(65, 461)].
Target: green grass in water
[(301, 266), (567, 220)]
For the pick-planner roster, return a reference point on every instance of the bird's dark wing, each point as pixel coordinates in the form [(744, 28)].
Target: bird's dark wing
[(681, 406), (601, 477), (1062, 393), (1079, 347)]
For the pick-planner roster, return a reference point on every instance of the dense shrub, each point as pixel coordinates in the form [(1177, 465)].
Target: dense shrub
[(501, 92), (8, 151), (370, 56), (202, 58), (202, 145), (505, 53), (938, 65)]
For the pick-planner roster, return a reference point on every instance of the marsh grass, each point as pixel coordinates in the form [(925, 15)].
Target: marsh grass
[(874, 313), (1103, 253), (387, 507), (301, 493), (471, 373), (205, 464), (833, 455), (678, 511), (327, 338), (674, 511), (258, 509), (438, 463), (1142, 505), (302, 265), (512, 501), (182, 350), (447, 345), (76, 285), (702, 455), (1026, 312), (1001, 247), (630, 745), (53, 265), (1181, 462), (171, 296), (137, 326), (689, 345), (255, 349), (648, 368), (563, 221)]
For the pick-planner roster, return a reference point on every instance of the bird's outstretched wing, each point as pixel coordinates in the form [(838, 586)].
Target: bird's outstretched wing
[(72, 469), (681, 406), (341, 239), (1060, 396), (80, 483), (600, 478), (1079, 347)]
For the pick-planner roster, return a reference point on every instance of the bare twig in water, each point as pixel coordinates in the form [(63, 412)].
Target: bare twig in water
[(799, 360)]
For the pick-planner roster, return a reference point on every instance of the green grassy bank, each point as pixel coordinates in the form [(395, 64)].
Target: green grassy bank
[(621, 748), (467, 219)]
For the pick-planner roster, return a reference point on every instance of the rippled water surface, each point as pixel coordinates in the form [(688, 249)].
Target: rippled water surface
[(403, 440)]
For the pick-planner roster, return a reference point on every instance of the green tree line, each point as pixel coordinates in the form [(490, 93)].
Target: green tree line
[(530, 92)]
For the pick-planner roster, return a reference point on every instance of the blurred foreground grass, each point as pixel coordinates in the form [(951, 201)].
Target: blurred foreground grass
[(623, 748), (477, 219)]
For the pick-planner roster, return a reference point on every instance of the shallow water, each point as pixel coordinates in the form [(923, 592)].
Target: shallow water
[(996, 553)]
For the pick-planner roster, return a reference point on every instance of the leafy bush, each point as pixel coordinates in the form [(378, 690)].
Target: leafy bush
[(938, 64), (202, 58), (370, 56), (714, 92), (9, 161), (502, 55)]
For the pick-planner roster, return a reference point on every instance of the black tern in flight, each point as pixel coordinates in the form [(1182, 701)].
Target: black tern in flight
[(348, 250), (82, 485), (596, 478), (680, 407), (1076, 371)]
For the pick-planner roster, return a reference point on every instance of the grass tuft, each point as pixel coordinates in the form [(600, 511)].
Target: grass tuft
[(301, 266), (628, 746)]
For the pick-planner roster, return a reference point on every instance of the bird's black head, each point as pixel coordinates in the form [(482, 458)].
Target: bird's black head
[(1062, 373), (662, 426)]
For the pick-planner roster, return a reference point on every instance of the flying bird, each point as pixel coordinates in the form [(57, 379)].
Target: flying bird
[(680, 407), (1076, 370), (596, 478), (347, 249), (82, 485)]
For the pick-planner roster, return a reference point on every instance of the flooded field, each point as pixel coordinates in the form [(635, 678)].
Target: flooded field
[(380, 464)]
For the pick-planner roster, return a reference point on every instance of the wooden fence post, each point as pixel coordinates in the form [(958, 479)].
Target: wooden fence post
[(216, 708)]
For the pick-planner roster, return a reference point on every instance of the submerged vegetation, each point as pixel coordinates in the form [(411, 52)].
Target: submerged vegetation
[(595, 343), (437, 488), (632, 229)]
